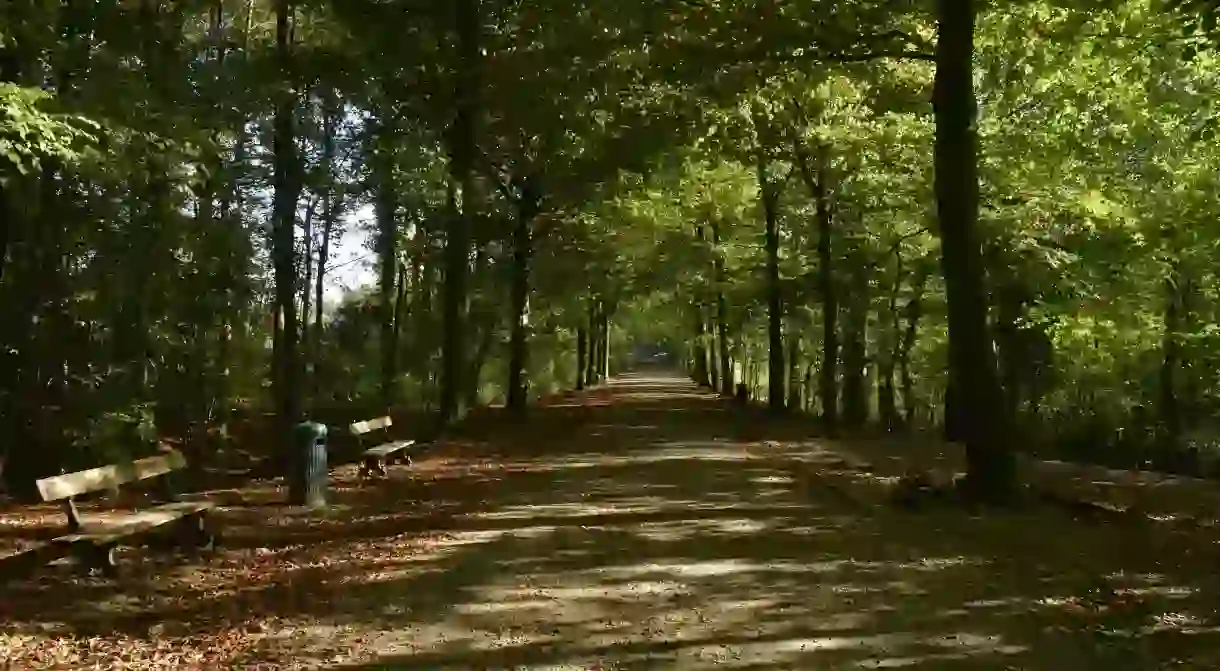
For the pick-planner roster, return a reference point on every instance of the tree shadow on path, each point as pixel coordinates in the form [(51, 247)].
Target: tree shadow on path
[(639, 531)]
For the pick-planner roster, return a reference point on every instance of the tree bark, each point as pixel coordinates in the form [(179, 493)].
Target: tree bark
[(855, 359), (775, 329), (523, 252), (912, 312), (699, 369), (1170, 406), (287, 190), (972, 369), (582, 356), (307, 260), (590, 367), (604, 359), (387, 256), (462, 148), (329, 216), (722, 318), (794, 369), (816, 178)]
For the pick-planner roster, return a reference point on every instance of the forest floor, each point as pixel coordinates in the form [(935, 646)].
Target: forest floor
[(646, 524)]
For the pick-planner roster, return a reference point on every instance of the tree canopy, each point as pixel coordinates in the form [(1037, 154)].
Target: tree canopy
[(795, 196)]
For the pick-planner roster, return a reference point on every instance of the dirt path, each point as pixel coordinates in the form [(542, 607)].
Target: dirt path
[(644, 526)]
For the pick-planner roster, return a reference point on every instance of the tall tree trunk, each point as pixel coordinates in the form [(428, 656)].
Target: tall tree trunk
[(604, 358), (401, 310), (887, 354), (287, 190), (990, 461), (713, 366), (14, 318), (794, 368), (816, 178), (855, 343), (523, 251), (424, 318), (1170, 406), (387, 256), (699, 368), (722, 318), (775, 328), (594, 334), (462, 147), (700, 371), (1013, 361), (236, 318), (474, 376), (914, 311), (829, 388), (582, 356), (11, 62), (330, 123), (307, 261)]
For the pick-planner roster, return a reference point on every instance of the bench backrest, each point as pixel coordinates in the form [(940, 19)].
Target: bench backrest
[(109, 477), (370, 425)]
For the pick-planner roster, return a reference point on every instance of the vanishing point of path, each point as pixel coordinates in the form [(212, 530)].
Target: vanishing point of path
[(652, 525)]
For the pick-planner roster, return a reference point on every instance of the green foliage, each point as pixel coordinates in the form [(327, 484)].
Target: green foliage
[(30, 135), (144, 172)]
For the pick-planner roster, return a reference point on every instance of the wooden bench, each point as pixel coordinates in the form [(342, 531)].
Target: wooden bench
[(93, 540), (379, 455)]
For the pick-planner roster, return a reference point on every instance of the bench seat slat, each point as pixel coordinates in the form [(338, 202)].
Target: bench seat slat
[(135, 523), (388, 448)]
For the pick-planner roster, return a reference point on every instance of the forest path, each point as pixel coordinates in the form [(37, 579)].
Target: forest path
[(646, 524)]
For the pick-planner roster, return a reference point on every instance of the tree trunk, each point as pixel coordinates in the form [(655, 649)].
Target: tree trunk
[(794, 369), (722, 318), (402, 300), (1012, 361), (1170, 406), (699, 369), (10, 73), (816, 178), (329, 216), (590, 367), (474, 376), (855, 355), (287, 190), (307, 260), (775, 329), (387, 256), (523, 252), (582, 356), (462, 148), (913, 311), (604, 359), (887, 354), (972, 370), (855, 343)]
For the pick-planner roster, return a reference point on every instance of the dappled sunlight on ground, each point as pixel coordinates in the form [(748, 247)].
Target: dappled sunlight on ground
[(641, 535)]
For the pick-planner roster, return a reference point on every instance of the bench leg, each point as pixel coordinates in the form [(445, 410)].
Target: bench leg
[(404, 459), (196, 534), (373, 465), (98, 558)]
